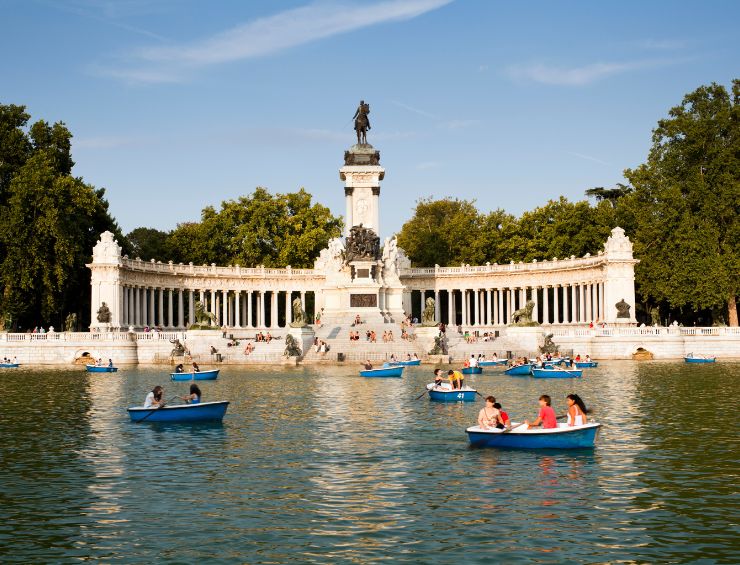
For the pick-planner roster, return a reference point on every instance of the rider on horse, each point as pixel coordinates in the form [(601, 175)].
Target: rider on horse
[(362, 122)]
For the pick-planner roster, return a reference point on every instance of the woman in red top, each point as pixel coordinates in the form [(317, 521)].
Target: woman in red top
[(546, 417)]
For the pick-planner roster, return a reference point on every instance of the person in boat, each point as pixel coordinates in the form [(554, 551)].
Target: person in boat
[(416, 357), (494, 357), (456, 379), (110, 362), (490, 416), (368, 366), (546, 418), (179, 369), (196, 369), (194, 396), (393, 358), (504, 415), (154, 398), (473, 362), (438, 378), (588, 358), (578, 357), (466, 364), (576, 410)]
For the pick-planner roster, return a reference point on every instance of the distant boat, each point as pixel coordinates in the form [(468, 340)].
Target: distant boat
[(691, 358), (211, 375), (472, 370), (552, 373), (586, 364), (383, 372), (9, 365), (518, 370), (201, 412), (100, 369), (465, 394), (411, 363), (493, 363), (562, 437)]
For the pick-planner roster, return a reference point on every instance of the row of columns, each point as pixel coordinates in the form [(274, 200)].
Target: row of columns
[(175, 308), (578, 303)]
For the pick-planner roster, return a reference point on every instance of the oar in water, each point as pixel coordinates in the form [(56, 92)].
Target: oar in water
[(161, 405), (422, 394)]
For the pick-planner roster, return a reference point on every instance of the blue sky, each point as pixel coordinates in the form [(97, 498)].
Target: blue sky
[(179, 104)]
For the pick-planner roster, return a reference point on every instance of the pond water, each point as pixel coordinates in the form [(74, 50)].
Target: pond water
[(319, 465)]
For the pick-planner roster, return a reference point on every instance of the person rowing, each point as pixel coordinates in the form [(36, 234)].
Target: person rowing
[(194, 396), (154, 398), (546, 417)]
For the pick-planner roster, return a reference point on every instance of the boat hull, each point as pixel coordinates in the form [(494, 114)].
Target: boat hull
[(9, 365), (463, 395), (699, 359), (562, 437), (472, 370), (203, 412), (96, 369), (519, 371), (211, 375), (412, 363), (556, 373), (396, 372), (499, 363), (586, 364)]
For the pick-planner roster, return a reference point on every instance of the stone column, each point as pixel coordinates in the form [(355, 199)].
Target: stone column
[(137, 308), (489, 306), (225, 308), (474, 307), (237, 309), (555, 305), (573, 304), (213, 306), (124, 309), (191, 307), (150, 299), (522, 297), (450, 308), (545, 304), (582, 302), (261, 297), (274, 309), (303, 302), (464, 306), (170, 321), (250, 296), (180, 308), (421, 301), (437, 307), (288, 309), (535, 299), (160, 308)]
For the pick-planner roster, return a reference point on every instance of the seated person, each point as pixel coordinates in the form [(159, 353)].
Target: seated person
[(490, 416), (196, 369), (546, 416), (179, 368), (194, 396), (154, 398), (367, 365)]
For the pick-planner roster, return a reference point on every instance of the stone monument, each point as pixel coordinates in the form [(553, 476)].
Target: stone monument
[(620, 279)]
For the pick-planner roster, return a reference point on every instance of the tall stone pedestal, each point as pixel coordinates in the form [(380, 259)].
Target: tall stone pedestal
[(304, 336), (524, 340)]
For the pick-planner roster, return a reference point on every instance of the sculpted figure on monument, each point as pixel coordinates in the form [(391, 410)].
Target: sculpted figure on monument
[(428, 315), (362, 243), (523, 316), (70, 323), (299, 316), (549, 346), (623, 309), (202, 316), (104, 314), (362, 122), (292, 348)]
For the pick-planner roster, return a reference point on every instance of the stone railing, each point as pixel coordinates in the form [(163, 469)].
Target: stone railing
[(66, 336), (556, 264), (212, 270), (643, 331)]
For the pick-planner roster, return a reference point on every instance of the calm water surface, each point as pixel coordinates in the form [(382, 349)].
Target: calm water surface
[(319, 465)]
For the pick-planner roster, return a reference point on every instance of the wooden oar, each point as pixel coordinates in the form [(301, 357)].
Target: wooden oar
[(422, 394), (161, 405)]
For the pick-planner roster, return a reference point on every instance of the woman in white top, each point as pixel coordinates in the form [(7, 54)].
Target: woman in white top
[(490, 416), (576, 410), (154, 398)]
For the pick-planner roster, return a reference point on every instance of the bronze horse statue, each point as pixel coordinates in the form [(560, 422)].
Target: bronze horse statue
[(362, 122)]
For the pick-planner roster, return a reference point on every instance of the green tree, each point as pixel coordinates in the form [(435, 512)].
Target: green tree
[(443, 232), (259, 229), (149, 243), (686, 204)]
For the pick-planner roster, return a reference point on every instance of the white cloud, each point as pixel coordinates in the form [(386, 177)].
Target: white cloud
[(414, 110), (104, 142), (264, 36), (579, 76), (588, 158), (427, 165)]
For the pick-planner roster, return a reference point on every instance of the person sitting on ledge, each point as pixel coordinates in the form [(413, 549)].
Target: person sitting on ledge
[(373, 337), (358, 320), (196, 369), (385, 337), (194, 396), (390, 335), (249, 348), (179, 368), (368, 366), (268, 339)]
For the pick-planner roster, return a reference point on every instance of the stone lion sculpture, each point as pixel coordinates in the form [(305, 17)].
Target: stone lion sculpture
[(523, 316), (202, 316), (428, 315), (292, 348), (549, 346), (299, 315)]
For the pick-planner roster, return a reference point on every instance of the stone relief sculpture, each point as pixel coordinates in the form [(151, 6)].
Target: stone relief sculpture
[(523, 316), (178, 350), (331, 259), (70, 322), (104, 314), (428, 315), (292, 348), (549, 346), (623, 309), (390, 258), (299, 315)]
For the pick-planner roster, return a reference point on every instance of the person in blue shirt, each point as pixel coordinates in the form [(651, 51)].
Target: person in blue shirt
[(194, 396)]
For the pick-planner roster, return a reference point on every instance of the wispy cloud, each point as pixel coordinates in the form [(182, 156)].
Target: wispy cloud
[(579, 76), (439, 122), (263, 36), (415, 110), (427, 165), (661, 44), (588, 158), (103, 142)]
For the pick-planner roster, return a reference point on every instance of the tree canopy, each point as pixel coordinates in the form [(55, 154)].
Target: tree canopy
[(49, 223)]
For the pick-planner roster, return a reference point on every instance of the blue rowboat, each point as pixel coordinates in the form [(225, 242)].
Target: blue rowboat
[(211, 375), (553, 373), (490, 363), (202, 412), (462, 395), (586, 364), (101, 369), (562, 437), (472, 370), (518, 371), (411, 363), (9, 365), (384, 372), (691, 359)]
